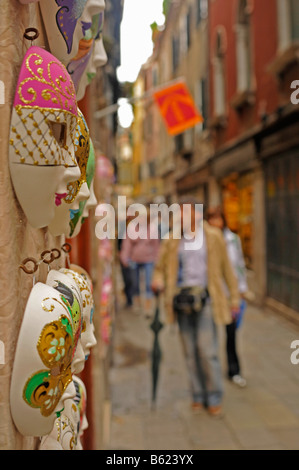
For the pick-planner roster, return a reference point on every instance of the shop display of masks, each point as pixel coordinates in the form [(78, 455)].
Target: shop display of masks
[(55, 340), (52, 167)]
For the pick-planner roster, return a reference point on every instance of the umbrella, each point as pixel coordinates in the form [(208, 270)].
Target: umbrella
[(156, 326)]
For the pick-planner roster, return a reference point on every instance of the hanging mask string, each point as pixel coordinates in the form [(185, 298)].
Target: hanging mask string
[(47, 260), (67, 248)]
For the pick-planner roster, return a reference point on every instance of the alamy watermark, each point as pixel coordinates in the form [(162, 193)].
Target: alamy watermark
[(153, 222), (2, 353), (2, 92), (295, 94), (295, 354)]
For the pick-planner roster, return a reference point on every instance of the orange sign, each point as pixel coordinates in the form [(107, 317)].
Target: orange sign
[(177, 108)]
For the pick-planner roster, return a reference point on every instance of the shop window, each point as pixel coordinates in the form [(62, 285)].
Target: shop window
[(282, 224), (237, 196)]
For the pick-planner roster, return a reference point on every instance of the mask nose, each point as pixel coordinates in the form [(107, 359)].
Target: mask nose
[(93, 8), (83, 194), (72, 174), (99, 55)]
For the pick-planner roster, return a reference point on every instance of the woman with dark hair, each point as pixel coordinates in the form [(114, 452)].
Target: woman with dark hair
[(216, 218)]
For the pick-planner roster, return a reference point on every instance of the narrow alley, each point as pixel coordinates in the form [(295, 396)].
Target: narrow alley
[(264, 415)]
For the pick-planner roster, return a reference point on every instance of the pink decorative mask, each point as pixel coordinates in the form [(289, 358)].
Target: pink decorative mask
[(44, 118)]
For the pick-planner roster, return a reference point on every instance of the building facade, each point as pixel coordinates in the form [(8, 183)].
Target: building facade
[(239, 61)]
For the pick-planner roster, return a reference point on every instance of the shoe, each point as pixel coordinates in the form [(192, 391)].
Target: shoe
[(239, 380), (215, 411), (197, 407)]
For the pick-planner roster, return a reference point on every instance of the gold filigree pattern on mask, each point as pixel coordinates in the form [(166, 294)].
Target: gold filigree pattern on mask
[(64, 427), (33, 141), (55, 346), (83, 286), (56, 88), (82, 148), (73, 312)]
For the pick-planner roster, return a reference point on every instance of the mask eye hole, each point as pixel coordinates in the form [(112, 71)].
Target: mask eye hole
[(59, 132)]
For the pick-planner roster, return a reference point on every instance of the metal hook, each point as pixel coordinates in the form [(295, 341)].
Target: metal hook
[(26, 269), (66, 247), (47, 261)]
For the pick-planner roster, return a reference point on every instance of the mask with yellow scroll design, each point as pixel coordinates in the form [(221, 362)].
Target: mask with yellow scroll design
[(46, 347)]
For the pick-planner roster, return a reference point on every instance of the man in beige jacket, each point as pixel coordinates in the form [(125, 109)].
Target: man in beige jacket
[(205, 268)]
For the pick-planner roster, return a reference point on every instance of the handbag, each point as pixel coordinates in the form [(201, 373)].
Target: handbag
[(190, 300)]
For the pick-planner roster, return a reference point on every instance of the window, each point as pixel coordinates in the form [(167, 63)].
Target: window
[(219, 77), (183, 35), (288, 25), (189, 27), (175, 53), (201, 101), (201, 10), (155, 76), (243, 48), (152, 169)]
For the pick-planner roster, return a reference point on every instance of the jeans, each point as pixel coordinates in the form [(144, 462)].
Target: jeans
[(199, 338), (129, 283), (148, 268), (231, 346)]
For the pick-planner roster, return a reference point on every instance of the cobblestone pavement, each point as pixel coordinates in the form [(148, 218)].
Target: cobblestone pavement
[(264, 415)]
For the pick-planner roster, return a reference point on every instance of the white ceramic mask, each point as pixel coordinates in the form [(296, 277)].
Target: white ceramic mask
[(85, 206), (70, 425), (88, 340), (41, 152), (92, 56), (78, 191), (42, 376), (68, 288), (70, 28)]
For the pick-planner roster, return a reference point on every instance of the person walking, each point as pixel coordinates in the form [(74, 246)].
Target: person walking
[(127, 270), (192, 282), (141, 253), (216, 218)]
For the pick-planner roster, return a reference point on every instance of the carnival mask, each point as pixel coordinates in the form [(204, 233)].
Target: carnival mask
[(69, 426), (67, 287), (91, 55), (42, 133), (77, 191), (88, 340), (71, 30), (85, 206), (42, 374)]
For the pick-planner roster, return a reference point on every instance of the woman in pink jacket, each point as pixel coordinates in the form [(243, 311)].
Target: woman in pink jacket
[(141, 254)]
